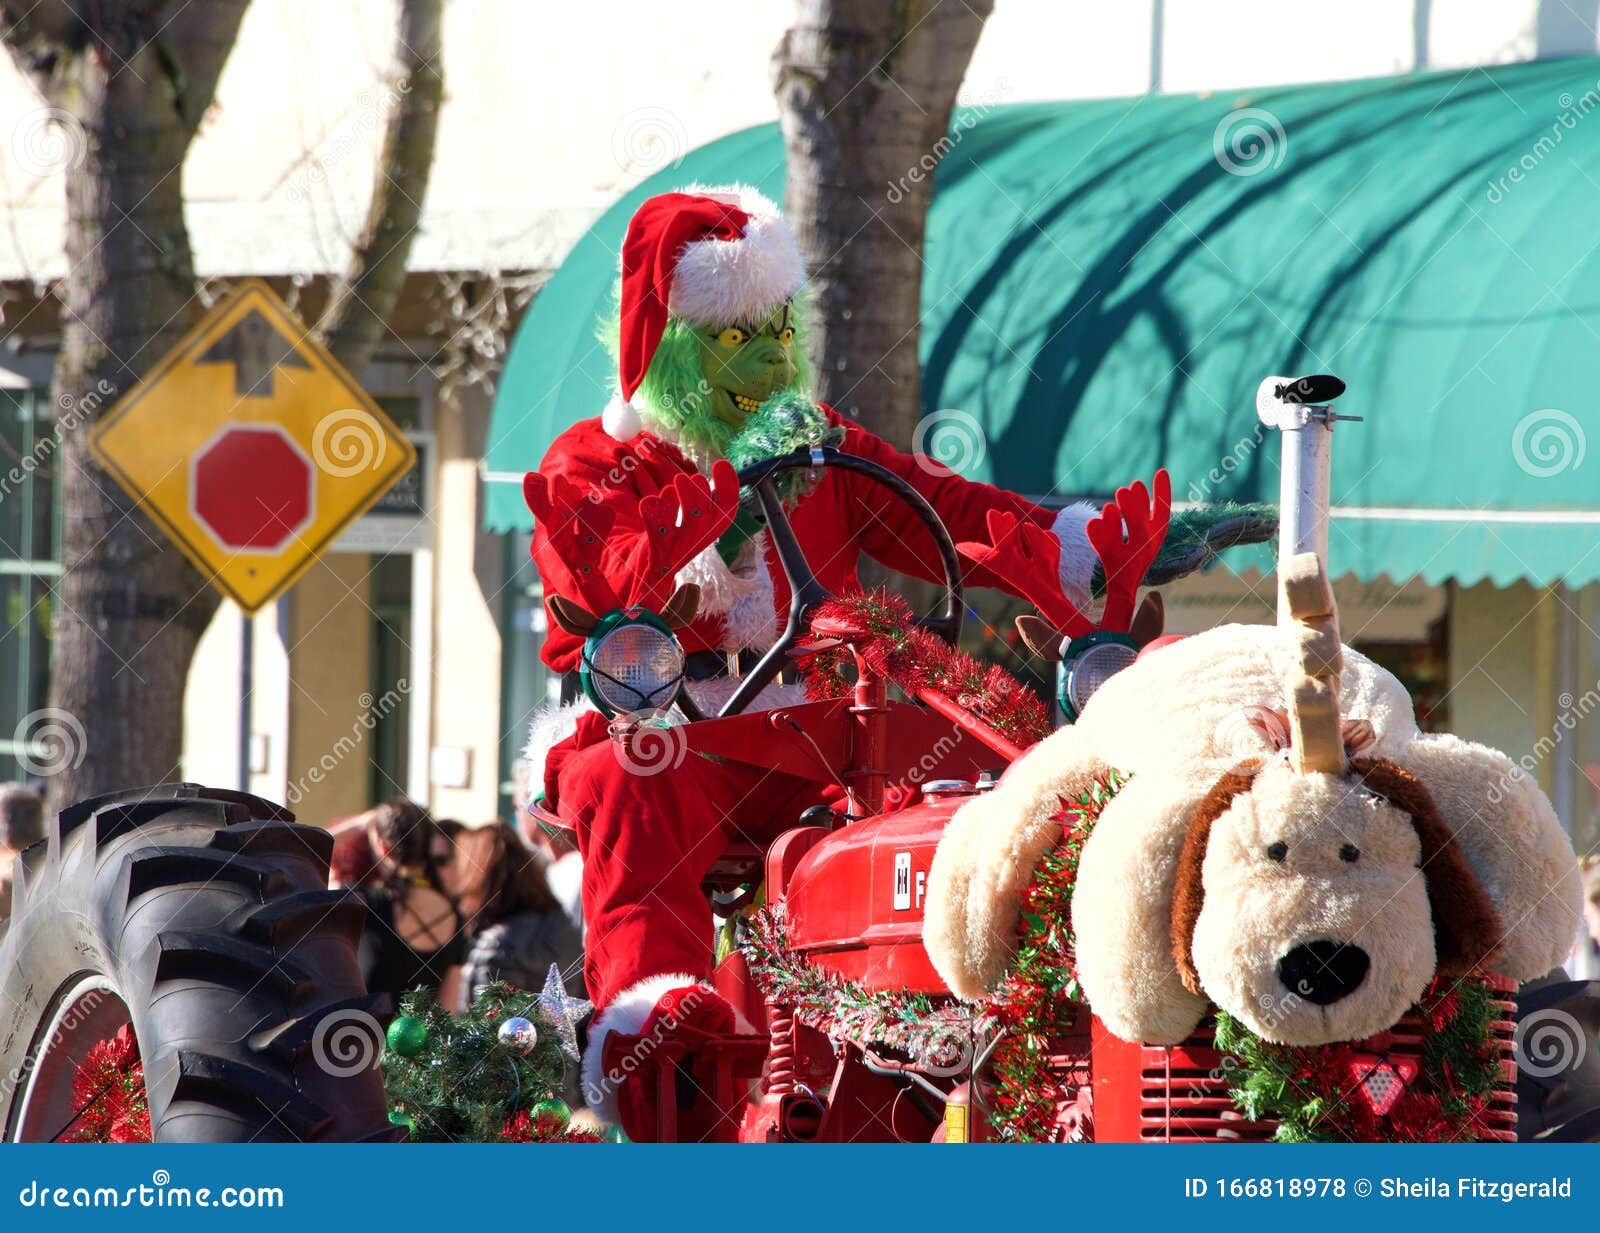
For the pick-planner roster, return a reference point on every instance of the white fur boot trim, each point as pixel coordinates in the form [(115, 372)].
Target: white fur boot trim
[(626, 1013)]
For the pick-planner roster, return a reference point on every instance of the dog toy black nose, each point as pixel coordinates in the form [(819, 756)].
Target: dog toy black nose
[(1323, 972)]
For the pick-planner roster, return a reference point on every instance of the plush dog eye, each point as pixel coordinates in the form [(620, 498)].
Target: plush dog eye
[(1277, 851), (1349, 853)]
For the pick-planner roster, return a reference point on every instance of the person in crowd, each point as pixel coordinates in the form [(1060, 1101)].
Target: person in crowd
[(21, 824), (440, 893), (399, 860), (520, 927)]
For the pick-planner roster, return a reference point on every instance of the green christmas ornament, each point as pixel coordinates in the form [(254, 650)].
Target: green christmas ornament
[(399, 1117), (615, 1134), (407, 1036), (551, 1115)]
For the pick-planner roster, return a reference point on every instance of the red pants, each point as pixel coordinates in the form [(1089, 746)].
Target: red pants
[(648, 836)]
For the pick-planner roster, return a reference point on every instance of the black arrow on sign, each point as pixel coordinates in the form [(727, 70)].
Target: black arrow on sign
[(256, 349)]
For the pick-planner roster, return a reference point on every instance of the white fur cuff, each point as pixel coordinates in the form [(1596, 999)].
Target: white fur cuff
[(1077, 556), (626, 1014)]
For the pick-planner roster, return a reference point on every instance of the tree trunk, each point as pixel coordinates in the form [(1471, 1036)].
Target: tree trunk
[(129, 89), (865, 91), (359, 307)]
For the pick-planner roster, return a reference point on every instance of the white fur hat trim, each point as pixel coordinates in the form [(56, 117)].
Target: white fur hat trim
[(720, 282)]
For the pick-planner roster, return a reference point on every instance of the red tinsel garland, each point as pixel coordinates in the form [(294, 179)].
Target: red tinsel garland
[(523, 1127), (892, 646), (108, 1090)]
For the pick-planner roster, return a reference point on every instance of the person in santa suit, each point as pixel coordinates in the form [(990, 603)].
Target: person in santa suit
[(709, 341)]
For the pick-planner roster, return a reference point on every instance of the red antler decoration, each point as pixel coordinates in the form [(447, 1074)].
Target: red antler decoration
[(1126, 560), (589, 545), (678, 522), (1027, 557), (578, 532)]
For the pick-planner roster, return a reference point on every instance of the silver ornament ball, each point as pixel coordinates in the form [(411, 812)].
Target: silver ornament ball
[(519, 1035)]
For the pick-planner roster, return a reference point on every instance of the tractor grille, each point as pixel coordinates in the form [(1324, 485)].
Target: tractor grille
[(1183, 1091)]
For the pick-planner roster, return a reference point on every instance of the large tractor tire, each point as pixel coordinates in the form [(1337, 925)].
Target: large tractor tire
[(202, 917)]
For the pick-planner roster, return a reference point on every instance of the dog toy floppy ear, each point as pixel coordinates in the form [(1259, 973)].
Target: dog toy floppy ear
[(986, 857)]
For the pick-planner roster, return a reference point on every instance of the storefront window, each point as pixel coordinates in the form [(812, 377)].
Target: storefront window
[(29, 566)]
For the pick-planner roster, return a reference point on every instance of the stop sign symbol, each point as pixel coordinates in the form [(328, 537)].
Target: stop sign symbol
[(252, 488)]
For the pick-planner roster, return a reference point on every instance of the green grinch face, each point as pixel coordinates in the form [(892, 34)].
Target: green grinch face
[(746, 364)]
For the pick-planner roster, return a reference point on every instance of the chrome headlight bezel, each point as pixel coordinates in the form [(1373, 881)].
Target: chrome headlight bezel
[(1088, 663), (607, 683)]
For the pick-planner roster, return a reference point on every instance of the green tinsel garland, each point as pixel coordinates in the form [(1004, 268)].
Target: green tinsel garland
[(1037, 1001), (1313, 1097), (1309, 1092), (464, 1086), (927, 1028), (1040, 998)]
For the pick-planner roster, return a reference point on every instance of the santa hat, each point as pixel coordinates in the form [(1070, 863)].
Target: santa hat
[(713, 256)]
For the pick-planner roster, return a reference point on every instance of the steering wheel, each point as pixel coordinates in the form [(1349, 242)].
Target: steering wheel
[(805, 592)]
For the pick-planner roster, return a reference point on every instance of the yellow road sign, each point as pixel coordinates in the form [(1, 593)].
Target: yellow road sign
[(251, 446)]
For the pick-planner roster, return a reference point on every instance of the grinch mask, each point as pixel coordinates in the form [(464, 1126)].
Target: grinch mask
[(745, 365), (706, 382)]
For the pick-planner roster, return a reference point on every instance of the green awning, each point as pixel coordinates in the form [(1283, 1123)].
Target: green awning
[(1107, 282)]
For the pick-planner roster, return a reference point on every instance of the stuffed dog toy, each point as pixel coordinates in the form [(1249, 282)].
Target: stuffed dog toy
[(1287, 847)]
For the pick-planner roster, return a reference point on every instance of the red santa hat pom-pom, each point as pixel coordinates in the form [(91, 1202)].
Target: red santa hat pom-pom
[(621, 419)]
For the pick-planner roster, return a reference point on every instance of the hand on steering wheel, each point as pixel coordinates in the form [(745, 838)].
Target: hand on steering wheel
[(805, 592)]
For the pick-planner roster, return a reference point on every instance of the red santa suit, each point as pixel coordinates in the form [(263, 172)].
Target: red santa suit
[(648, 839)]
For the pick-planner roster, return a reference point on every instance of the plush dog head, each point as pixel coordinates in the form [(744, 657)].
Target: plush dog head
[(1317, 907), (1287, 847)]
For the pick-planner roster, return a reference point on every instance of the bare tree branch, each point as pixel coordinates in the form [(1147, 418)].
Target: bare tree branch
[(362, 300)]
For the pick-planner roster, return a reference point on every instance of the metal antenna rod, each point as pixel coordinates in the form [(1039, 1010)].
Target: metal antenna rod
[(1305, 481)]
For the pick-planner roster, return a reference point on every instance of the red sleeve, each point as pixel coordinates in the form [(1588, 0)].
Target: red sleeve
[(891, 534), (612, 474)]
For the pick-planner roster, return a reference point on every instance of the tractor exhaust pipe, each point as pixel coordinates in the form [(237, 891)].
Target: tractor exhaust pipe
[(1301, 408)]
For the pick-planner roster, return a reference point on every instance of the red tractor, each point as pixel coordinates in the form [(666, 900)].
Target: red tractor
[(850, 884)]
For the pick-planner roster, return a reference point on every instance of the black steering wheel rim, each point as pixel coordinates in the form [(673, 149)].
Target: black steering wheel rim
[(805, 592)]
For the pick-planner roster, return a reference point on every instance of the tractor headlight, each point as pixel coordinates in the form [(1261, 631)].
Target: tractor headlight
[(1089, 662), (632, 662)]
